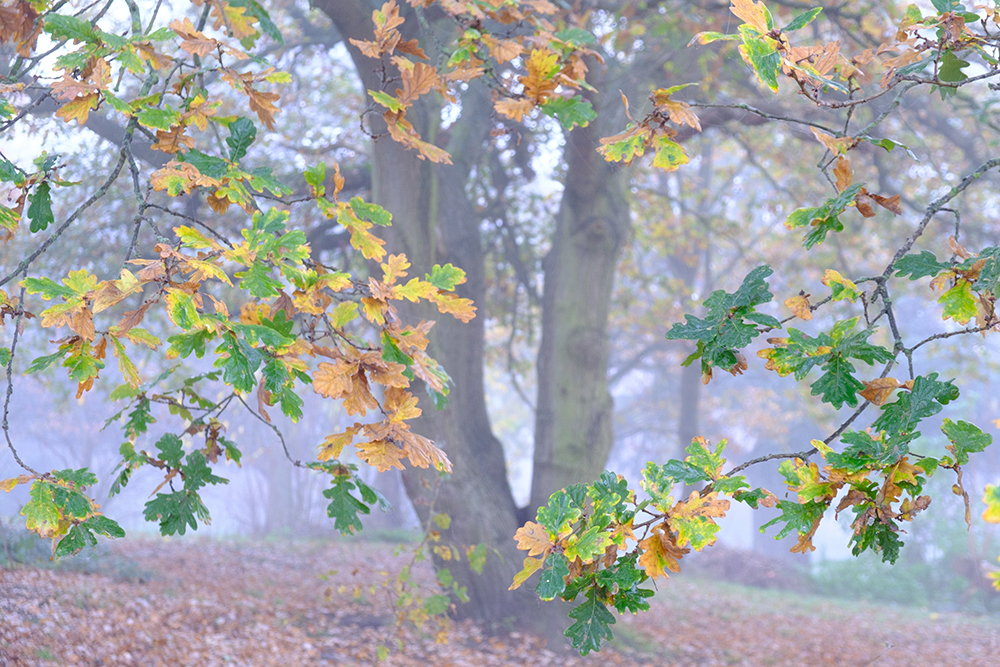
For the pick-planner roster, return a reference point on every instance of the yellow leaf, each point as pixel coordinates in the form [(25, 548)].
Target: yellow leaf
[(799, 305), (9, 484), (381, 454), (78, 109), (455, 306), (531, 565), (752, 13), (333, 445)]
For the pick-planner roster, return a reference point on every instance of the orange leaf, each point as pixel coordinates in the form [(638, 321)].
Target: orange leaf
[(533, 538), (660, 553)]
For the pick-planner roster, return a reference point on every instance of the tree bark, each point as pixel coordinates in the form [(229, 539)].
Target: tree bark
[(573, 420)]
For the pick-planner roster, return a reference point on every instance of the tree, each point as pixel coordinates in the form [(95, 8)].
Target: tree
[(505, 62)]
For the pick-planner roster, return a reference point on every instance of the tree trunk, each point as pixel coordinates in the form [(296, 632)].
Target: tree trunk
[(435, 222), (573, 420)]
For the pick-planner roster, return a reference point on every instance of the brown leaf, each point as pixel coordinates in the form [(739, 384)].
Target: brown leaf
[(864, 204), (843, 173), (879, 390), (889, 203)]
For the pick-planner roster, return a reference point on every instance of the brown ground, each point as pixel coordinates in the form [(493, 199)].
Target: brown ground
[(201, 603)]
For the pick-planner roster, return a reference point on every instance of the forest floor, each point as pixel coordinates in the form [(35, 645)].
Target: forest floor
[(200, 602)]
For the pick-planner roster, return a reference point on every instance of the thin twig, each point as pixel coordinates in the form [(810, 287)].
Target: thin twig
[(10, 385)]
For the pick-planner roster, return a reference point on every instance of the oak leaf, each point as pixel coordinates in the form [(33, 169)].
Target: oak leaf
[(752, 13), (843, 174), (799, 305), (879, 390), (333, 445), (79, 109), (531, 565), (660, 553), (533, 538), (381, 454)]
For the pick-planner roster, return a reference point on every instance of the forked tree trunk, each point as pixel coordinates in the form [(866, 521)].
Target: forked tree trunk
[(435, 222)]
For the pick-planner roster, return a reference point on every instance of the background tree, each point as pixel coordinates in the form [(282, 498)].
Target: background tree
[(453, 93)]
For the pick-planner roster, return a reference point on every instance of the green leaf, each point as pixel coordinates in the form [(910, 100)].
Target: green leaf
[(950, 71), (445, 277), (344, 507), (765, 60), (577, 36), (878, 537), (553, 580), (316, 177), (625, 150), (158, 119), (920, 266), (207, 165), (959, 303), (183, 345), (593, 624), (176, 511), (797, 517), (239, 362), (708, 37), (587, 545), (66, 27), (171, 450), (802, 20), (242, 133), (76, 539), (197, 472), (559, 514), (751, 498), (924, 400), (867, 451), (723, 332), (10, 173), (436, 604), (965, 438), (371, 212), (258, 281), (570, 112), (41, 512), (80, 478), (40, 210), (477, 558), (669, 156), (387, 100)]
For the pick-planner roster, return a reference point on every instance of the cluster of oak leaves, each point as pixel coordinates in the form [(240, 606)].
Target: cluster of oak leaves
[(594, 541)]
